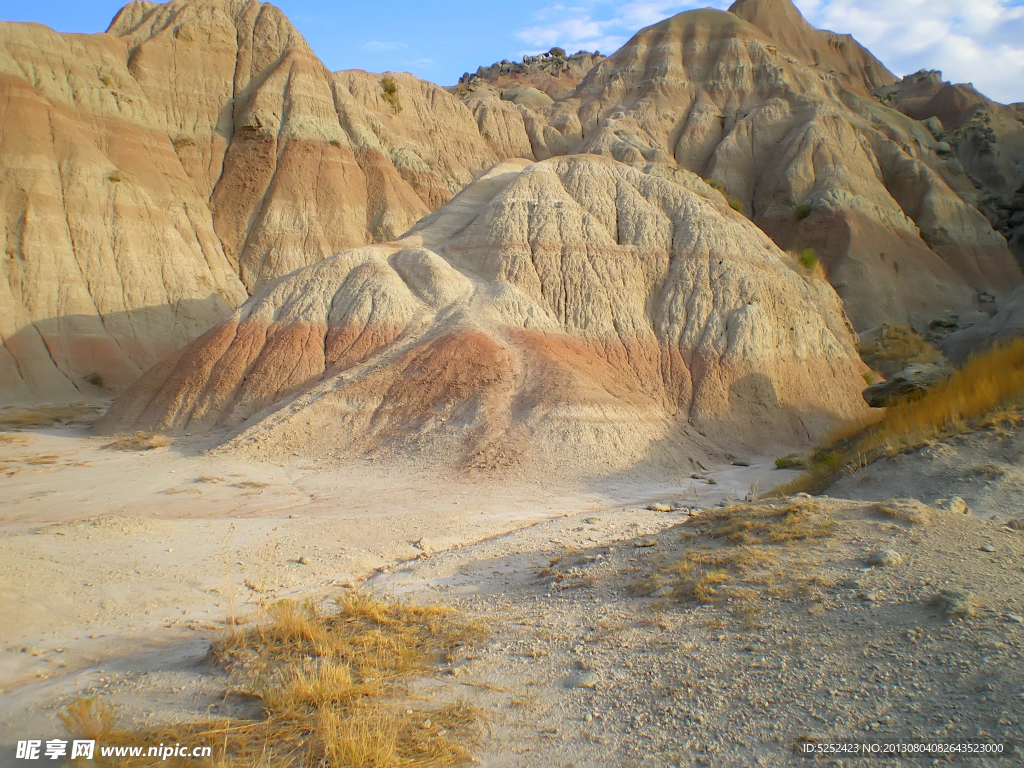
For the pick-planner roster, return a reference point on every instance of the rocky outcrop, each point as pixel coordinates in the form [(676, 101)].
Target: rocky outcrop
[(912, 381), (111, 259), (153, 176), (1006, 324), (314, 162), (575, 311), (781, 116), (554, 74)]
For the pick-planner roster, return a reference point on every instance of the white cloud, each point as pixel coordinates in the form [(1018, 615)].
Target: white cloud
[(978, 41), (598, 24), (377, 45)]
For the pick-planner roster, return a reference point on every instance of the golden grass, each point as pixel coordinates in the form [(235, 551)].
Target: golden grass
[(331, 686), (907, 510), (90, 718), (988, 390), (248, 484), (140, 441), (768, 524), (896, 347), (985, 383), (752, 539), (13, 417)]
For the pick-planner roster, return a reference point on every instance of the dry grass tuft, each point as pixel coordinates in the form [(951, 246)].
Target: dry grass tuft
[(907, 510), (896, 347), (13, 417), (389, 92), (744, 565), (331, 689), (988, 391), (768, 524), (791, 461), (806, 262), (140, 441), (90, 718)]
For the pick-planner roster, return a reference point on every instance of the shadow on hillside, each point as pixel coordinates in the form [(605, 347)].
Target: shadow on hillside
[(82, 357)]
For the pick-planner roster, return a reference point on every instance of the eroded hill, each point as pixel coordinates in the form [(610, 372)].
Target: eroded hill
[(577, 311)]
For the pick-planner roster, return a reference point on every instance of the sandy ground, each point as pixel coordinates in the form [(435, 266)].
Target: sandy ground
[(118, 567)]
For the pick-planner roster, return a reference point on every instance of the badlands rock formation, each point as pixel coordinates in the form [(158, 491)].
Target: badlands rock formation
[(575, 310), (782, 115), (152, 176), (976, 134)]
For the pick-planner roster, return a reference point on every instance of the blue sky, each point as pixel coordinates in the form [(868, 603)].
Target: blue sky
[(979, 41)]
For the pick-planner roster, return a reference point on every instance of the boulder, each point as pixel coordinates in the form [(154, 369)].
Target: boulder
[(914, 380)]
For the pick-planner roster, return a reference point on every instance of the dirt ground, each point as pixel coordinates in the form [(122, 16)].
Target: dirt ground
[(585, 671), (118, 567)]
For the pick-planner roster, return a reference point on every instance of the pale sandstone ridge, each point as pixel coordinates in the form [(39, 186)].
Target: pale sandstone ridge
[(575, 310), (110, 255), (781, 114), (304, 162), (151, 177)]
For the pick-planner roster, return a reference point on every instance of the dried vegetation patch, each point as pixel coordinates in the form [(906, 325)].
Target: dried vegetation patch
[(744, 553), (12, 417), (140, 441), (896, 347), (986, 392), (331, 691)]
